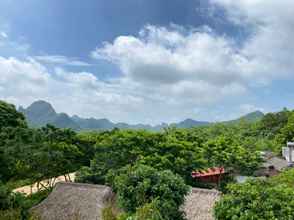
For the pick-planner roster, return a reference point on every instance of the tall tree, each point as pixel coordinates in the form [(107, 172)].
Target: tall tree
[(10, 117)]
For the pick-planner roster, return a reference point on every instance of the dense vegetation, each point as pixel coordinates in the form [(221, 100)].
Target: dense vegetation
[(31, 155), (180, 151), (154, 166), (140, 186), (259, 199)]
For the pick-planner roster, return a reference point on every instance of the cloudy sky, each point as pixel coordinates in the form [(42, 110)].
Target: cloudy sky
[(149, 61)]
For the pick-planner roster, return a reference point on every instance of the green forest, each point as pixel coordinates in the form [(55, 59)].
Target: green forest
[(150, 171)]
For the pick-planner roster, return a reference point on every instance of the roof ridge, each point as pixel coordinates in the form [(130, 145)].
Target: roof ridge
[(81, 184), (210, 191)]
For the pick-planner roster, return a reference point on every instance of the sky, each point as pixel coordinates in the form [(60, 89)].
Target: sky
[(149, 61)]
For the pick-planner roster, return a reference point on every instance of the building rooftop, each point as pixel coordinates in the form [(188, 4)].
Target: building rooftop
[(74, 201), (199, 204), (209, 172), (85, 201), (276, 162)]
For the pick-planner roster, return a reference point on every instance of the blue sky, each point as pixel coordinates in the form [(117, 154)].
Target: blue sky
[(148, 61)]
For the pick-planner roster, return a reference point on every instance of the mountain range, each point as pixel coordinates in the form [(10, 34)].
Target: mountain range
[(41, 113)]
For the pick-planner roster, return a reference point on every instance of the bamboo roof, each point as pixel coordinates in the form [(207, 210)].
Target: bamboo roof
[(74, 201), (199, 204)]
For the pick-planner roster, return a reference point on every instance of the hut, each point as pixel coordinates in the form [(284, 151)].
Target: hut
[(71, 201), (75, 201), (199, 204)]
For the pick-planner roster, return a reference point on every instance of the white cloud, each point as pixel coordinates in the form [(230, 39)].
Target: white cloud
[(22, 79), (167, 72), (3, 34), (199, 68), (162, 56), (82, 79), (184, 69), (62, 60), (25, 81), (269, 49), (247, 108), (16, 71)]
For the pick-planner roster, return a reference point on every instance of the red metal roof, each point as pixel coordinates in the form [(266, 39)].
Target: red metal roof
[(209, 172)]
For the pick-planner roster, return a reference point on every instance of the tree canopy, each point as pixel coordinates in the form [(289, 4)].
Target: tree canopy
[(259, 199), (139, 185), (151, 170), (10, 117)]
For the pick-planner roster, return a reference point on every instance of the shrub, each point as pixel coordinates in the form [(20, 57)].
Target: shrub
[(256, 199), (107, 214), (149, 211), (10, 214), (139, 185), (6, 199), (86, 175), (16, 204)]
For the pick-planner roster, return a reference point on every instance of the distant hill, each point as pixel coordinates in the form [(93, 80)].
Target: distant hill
[(41, 113), (189, 123), (250, 117), (93, 123), (253, 116)]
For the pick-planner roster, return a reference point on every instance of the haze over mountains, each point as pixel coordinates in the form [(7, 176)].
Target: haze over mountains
[(41, 113)]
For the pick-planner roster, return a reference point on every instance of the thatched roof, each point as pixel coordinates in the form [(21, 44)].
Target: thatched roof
[(74, 201), (199, 204)]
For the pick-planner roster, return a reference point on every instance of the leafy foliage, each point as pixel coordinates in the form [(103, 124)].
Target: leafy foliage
[(10, 117), (227, 152), (150, 170), (107, 214), (10, 214), (180, 151), (15, 204), (286, 133), (140, 185), (5, 197), (39, 154), (272, 123), (149, 211), (259, 199)]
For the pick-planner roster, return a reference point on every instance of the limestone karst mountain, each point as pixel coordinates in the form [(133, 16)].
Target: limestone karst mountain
[(41, 113)]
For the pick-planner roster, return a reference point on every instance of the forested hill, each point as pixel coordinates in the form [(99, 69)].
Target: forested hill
[(251, 117), (40, 113)]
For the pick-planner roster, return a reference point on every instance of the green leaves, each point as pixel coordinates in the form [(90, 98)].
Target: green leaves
[(227, 152), (141, 187), (259, 199), (287, 132), (38, 154), (10, 117), (160, 150), (5, 197), (179, 150)]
